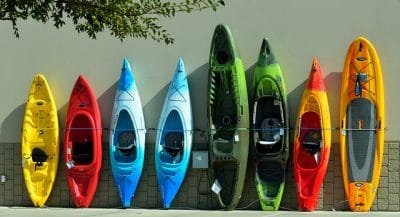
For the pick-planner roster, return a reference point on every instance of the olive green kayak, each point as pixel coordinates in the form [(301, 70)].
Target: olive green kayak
[(270, 135), (228, 119)]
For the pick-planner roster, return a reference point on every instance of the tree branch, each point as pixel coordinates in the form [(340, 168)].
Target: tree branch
[(124, 18)]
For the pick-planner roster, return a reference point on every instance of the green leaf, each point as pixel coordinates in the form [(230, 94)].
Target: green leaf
[(123, 18)]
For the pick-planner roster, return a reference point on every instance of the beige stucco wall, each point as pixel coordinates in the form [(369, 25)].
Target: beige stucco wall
[(299, 30)]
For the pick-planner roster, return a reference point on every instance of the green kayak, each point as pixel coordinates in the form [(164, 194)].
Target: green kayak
[(270, 135), (228, 119)]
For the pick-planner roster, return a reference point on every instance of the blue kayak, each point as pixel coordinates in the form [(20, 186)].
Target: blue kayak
[(174, 137), (127, 136)]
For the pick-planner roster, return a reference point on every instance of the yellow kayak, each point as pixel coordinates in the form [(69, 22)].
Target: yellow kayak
[(40, 146), (362, 124)]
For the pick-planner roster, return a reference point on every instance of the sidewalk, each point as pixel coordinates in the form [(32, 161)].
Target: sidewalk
[(92, 212)]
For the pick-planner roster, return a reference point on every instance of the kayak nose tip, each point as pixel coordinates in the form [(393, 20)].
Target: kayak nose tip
[(125, 64), (180, 66), (222, 29), (315, 64), (266, 56), (265, 47)]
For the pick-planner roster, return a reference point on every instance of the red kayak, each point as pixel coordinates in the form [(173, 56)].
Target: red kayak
[(312, 140), (83, 143)]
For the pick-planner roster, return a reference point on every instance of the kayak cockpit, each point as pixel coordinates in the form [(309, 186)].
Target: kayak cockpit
[(172, 139), (268, 122), (125, 138), (311, 141), (81, 140)]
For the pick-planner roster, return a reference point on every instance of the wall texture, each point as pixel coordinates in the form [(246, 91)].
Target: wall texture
[(299, 30)]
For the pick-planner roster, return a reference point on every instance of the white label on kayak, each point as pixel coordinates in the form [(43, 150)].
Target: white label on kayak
[(216, 187), (69, 164), (343, 132), (281, 131), (68, 150), (236, 138)]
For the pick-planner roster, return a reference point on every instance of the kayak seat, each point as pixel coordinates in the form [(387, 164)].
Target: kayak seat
[(82, 152), (269, 134), (173, 143), (312, 141), (127, 143), (39, 156)]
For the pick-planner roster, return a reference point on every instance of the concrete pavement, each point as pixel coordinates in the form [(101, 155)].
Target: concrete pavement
[(93, 212)]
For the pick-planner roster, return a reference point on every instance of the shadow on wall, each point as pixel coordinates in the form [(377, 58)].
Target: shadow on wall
[(294, 98), (333, 82), (12, 125), (62, 114), (249, 81), (152, 111), (106, 103), (198, 81)]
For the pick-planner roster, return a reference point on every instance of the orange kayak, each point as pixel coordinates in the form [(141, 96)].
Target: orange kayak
[(362, 120)]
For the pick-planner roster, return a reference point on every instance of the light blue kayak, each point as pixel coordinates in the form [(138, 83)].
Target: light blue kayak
[(174, 138), (127, 136)]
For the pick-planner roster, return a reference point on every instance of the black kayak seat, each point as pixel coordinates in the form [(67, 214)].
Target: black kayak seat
[(127, 150), (312, 141), (82, 152), (270, 132), (39, 156), (126, 143), (173, 143)]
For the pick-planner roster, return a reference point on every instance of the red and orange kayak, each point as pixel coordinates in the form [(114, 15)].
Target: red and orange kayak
[(83, 143), (312, 140)]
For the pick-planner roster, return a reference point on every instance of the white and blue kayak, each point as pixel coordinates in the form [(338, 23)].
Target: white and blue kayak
[(127, 136), (174, 137)]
